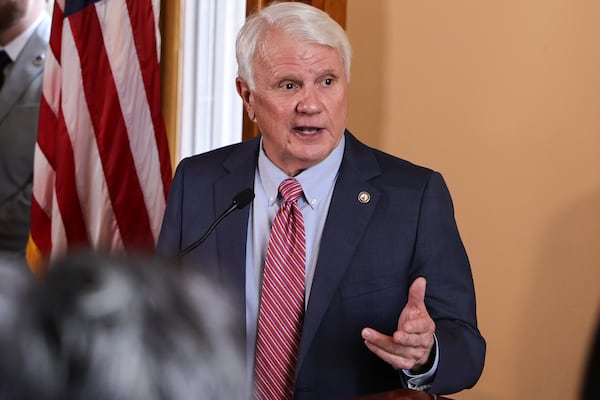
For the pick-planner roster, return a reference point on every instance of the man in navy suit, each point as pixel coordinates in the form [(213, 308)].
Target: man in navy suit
[(24, 34), (389, 297)]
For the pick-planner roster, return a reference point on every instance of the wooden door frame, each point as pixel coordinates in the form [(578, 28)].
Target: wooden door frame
[(170, 23)]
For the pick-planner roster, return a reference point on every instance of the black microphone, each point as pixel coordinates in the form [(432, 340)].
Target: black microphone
[(240, 200)]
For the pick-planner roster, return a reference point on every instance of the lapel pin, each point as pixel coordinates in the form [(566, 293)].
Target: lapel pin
[(364, 197), (38, 60)]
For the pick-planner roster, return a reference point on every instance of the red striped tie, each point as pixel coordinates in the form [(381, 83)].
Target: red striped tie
[(282, 300)]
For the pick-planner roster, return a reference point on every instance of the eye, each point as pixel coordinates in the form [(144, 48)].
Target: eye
[(328, 82), (288, 86)]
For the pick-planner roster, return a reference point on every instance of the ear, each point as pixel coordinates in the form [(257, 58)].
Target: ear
[(246, 94)]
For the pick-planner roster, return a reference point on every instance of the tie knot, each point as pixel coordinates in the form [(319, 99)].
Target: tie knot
[(290, 189), (4, 60)]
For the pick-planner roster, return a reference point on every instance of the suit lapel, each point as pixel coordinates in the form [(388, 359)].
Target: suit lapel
[(26, 67), (231, 233), (341, 234)]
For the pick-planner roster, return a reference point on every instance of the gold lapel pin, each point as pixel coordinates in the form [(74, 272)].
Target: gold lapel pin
[(364, 197)]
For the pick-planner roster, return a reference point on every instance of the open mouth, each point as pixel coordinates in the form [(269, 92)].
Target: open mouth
[(307, 130)]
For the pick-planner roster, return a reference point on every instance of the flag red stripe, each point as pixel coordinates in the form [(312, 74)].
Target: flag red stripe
[(41, 236), (111, 132), (144, 36), (56, 32), (66, 188)]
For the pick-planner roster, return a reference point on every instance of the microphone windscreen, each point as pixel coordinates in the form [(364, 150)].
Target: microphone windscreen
[(243, 198)]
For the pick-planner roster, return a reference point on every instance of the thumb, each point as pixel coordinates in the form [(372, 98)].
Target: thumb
[(416, 293), (415, 304)]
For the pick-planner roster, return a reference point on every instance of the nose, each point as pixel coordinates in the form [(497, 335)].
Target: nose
[(309, 101)]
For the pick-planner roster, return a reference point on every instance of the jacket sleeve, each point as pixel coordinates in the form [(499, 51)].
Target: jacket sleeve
[(441, 258)]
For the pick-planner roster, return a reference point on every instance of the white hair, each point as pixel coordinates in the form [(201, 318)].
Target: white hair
[(301, 21)]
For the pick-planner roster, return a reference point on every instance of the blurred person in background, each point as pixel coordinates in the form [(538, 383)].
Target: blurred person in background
[(110, 328), (24, 34)]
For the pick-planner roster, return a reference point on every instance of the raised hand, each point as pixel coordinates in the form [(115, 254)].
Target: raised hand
[(411, 344)]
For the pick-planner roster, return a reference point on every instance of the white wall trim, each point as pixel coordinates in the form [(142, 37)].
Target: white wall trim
[(211, 111)]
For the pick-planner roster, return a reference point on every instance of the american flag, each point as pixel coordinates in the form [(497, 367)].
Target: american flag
[(102, 168)]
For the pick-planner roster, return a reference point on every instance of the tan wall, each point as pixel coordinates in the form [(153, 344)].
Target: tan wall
[(502, 97)]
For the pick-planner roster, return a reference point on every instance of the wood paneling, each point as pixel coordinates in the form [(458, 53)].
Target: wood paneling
[(170, 27)]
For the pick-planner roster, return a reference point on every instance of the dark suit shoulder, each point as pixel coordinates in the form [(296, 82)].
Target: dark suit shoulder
[(220, 161), (384, 168)]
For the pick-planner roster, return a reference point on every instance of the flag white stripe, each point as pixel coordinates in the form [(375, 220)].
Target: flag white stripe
[(51, 87), (44, 188), (58, 234), (156, 13)]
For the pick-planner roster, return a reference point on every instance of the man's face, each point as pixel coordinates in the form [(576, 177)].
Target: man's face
[(299, 101), (11, 11)]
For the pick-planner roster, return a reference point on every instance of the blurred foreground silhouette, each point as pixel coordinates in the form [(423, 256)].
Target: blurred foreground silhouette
[(111, 328)]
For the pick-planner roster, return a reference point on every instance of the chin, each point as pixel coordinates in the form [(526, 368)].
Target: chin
[(312, 159)]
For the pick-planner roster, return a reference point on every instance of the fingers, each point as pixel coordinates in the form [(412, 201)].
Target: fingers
[(395, 354), (422, 340), (416, 324)]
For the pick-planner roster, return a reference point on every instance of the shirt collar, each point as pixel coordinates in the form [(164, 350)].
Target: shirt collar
[(316, 181)]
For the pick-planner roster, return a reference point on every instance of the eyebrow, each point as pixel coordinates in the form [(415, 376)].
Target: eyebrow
[(329, 71), (297, 77)]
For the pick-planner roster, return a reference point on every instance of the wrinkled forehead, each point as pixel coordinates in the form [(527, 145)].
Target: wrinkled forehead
[(277, 42)]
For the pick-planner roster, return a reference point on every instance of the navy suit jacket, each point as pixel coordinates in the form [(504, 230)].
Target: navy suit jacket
[(370, 254)]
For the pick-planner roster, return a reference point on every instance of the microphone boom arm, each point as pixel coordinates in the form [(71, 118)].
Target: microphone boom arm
[(240, 200)]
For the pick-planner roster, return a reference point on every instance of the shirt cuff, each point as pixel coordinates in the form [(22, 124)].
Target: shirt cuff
[(423, 381)]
